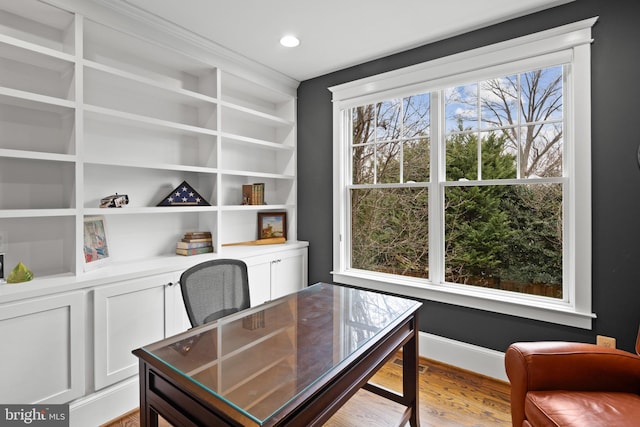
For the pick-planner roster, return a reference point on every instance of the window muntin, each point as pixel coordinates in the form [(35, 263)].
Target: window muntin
[(496, 235)]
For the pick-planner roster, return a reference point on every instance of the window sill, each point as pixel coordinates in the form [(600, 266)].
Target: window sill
[(558, 313)]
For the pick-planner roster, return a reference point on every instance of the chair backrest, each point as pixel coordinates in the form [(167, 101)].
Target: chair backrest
[(214, 289)]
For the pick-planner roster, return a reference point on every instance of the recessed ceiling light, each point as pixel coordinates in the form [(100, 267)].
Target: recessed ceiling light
[(289, 41)]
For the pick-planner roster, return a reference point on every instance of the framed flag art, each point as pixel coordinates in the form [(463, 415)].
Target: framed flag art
[(184, 195)]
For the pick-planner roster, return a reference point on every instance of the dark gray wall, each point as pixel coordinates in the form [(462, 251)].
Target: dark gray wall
[(615, 179)]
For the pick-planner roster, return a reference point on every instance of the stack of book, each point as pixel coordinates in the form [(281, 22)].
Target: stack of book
[(194, 243), (253, 194), (254, 321)]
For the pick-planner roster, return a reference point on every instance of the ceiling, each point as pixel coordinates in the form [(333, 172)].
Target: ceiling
[(334, 34)]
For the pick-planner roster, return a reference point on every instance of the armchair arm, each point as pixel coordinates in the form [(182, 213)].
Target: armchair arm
[(567, 366)]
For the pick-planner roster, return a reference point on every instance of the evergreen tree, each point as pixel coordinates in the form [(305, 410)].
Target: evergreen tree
[(476, 226)]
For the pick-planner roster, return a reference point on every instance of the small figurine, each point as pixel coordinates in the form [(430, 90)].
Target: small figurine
[(19, 274), (114, 201)]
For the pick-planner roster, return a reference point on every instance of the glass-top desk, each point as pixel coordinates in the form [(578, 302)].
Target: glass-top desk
[(292, 361)]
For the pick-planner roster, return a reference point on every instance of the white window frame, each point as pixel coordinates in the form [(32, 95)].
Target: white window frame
[(566, 44)]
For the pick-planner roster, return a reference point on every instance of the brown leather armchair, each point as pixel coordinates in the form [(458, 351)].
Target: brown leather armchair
[(573, 384)]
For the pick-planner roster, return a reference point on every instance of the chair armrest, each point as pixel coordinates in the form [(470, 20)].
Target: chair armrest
[(567, 366)]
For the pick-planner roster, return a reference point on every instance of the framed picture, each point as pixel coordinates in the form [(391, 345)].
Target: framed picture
[(96, 246), (272, 224)]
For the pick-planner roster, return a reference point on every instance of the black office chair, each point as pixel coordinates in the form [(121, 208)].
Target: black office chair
[(214, 289)]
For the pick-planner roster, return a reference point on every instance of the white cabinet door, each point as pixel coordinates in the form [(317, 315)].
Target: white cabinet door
[(288, 272), (42, 358), (276, 274), (259, 271), (127, 315), (176, 314)]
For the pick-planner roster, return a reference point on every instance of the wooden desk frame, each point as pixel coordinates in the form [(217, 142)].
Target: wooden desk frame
[(165, 392)]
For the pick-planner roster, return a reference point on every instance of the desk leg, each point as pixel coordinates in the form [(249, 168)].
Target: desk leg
[(148, 417), (410, 387)]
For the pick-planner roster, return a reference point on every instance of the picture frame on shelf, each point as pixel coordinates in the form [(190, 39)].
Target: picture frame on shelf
[(95, 243), (272, 224)]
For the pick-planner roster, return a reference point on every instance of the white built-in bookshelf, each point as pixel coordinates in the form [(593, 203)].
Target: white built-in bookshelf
[(88, 110)]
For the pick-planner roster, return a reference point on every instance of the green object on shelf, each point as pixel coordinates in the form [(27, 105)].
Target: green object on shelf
[(19, 274)]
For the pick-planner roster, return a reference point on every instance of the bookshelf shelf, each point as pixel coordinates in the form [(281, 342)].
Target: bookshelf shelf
[(148, 121), (37, 213), (37, 155), (256, 175), (233, 139), (240, 208), (159, 166), (35, 97), (26, 56), (255, 115), (35, 48), (174, 94), (174, 210)]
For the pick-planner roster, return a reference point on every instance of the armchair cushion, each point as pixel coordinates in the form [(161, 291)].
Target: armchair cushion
[(582, 408)]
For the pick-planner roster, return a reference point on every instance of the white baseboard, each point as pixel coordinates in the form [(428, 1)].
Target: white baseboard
[(105, 405), (484, 361)]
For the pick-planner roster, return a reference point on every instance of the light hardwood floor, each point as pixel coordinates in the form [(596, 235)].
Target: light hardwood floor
[(448, 397)]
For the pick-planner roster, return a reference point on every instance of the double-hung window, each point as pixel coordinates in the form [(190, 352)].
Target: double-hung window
[(467, 179)]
